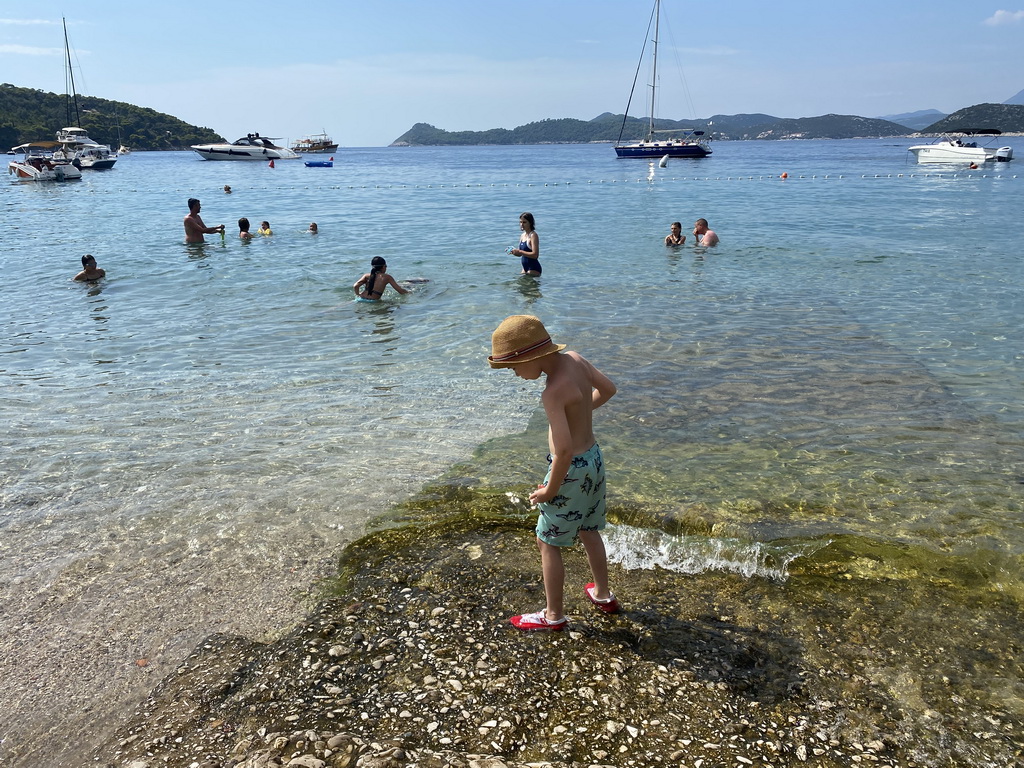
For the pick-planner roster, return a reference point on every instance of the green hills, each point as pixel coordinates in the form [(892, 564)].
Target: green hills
[(27, 114), (1008, 118)]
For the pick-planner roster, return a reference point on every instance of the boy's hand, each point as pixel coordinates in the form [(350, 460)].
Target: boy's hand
[(541, 495)]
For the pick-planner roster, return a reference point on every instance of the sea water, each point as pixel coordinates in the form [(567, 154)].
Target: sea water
[(189, 441)]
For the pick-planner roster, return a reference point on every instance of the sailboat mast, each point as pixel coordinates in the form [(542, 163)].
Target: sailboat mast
[(69, 80), (654, 67)]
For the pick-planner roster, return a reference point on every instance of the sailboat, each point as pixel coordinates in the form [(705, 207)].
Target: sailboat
[(684, 142), (80, 149)]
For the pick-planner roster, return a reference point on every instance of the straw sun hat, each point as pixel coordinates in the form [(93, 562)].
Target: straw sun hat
[(520, 339)]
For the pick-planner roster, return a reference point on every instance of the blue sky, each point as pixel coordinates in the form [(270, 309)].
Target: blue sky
[(367, 71)]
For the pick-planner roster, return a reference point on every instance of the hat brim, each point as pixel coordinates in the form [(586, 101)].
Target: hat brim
[(550, 349)]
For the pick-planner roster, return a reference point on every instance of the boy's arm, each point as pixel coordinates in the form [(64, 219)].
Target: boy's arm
[(603, 387), (561, 448)]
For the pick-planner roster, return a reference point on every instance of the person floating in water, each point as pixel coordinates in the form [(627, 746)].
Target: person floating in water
[(90, 272), (243, 229), (571, 500), (194, 226), (264, 229), (529, 246), (313, 229), (376, 281), (704, 235), (227, 189), (676, 236)]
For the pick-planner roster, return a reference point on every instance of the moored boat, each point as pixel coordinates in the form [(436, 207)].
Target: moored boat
[(252, 146), (317, 143), (79, 148), (678, 142), (39, 163), (957, 147), (83, 151)]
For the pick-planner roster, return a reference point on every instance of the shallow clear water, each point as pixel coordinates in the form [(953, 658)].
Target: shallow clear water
[(187, 439)]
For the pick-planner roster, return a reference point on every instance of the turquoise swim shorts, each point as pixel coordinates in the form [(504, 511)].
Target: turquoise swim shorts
[(579, 505)]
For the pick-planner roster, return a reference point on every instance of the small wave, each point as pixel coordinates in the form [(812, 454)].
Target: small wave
[(645, 549)]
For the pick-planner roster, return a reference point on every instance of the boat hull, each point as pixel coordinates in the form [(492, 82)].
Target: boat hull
[(657, 150), (250, 147), (956, 151), (229, 152), (25, 171), (321, 149)]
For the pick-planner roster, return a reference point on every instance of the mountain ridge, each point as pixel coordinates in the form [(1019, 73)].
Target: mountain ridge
[(605, 127)]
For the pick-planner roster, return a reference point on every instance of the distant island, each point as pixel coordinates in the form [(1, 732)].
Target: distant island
[(27, 114), (1008, 118)]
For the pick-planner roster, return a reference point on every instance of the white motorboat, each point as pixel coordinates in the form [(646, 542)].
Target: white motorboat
[(83, 151), (957, 147), (79, 148), (39, 163), (252, 146)]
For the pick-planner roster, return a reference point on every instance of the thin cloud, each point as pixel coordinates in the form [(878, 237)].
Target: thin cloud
[(1005, 17), (29, 50), (25, 22)]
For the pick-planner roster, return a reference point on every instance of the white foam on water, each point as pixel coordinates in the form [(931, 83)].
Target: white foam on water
[(646, 548)]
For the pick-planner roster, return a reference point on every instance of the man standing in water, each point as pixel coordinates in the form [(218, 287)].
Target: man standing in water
[(704, 235), (194, 226)]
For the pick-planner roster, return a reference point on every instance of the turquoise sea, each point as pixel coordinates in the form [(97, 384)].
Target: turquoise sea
[(832, 394)]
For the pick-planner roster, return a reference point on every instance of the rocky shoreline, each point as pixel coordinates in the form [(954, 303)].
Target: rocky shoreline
[(413, 663)]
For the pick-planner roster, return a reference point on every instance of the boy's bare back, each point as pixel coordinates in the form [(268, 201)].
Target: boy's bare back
[(574, 389)]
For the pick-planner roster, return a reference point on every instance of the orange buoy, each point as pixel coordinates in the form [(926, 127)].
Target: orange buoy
[(784, 175)]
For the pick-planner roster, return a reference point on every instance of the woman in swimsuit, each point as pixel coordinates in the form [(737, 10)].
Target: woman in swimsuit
[(374, 283), (529, 246)]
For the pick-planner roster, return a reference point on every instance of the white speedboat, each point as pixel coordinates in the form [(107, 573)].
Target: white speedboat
[(39, 163), (252, 146), (83, 151), (957, 147)]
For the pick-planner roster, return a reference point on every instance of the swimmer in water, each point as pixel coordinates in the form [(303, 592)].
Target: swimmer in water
[(375, 281), (90, 272)]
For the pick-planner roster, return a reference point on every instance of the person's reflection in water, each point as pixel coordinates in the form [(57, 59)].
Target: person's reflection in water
[(383, 331), (199, 252), (529, 288)]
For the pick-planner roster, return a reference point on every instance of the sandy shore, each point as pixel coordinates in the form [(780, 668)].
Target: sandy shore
[(413, 662)]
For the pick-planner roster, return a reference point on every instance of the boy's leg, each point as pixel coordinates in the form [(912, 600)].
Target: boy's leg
[(598, 560), (554, 579)]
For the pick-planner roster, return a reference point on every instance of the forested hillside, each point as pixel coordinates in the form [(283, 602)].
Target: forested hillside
[(1008, 118), (27, 114)]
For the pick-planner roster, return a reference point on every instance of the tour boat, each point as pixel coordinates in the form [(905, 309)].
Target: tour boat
[(683, 142), (319, 143), (252, 146), (956, 147)]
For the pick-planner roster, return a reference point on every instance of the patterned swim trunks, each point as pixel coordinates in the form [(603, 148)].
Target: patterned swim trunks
[(579, 505)]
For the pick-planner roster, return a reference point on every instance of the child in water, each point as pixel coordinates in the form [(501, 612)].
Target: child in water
[(264, 229), (90, 272), (529, 246), (375, 281), (676, 236)]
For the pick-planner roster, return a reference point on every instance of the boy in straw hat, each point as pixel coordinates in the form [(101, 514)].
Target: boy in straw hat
[(571, 499)]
